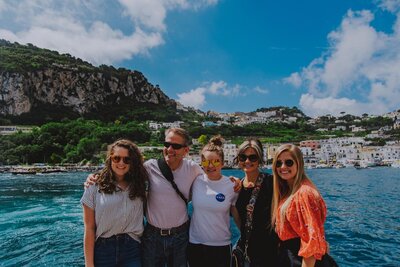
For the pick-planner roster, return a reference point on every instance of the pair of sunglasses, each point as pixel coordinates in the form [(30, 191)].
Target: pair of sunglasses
[(243, 157), (214, 162), (174, 146), (288, 163), (117, 159)]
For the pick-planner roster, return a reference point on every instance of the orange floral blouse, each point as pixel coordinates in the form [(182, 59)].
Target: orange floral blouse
[(305, 217)]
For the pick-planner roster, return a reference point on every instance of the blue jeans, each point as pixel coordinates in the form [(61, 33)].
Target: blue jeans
[(117, 250), (170, 250)]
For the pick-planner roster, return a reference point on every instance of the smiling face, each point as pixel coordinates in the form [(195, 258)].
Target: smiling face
[(286, 167), (245, 163), (174, 156), (120, 162), (212, 164)]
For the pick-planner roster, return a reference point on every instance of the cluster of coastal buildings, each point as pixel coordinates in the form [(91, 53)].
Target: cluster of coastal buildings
[(242, 119), (332, 152), (327, 153)]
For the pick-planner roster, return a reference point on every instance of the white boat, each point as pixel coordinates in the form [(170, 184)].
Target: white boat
[(366, 164), (395, 164)]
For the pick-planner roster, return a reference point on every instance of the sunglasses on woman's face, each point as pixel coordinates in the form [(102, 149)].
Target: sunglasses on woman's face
[(174, 146), (117, 159), (214, 162), (244, 157), (288, 163)]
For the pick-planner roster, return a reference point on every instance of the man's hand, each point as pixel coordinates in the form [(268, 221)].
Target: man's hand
[(238, 183), (91, 179)]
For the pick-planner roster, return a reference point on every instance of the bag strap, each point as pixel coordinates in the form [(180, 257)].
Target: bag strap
[(167, 173), (248, 227)]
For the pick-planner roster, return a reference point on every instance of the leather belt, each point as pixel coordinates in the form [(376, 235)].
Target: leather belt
[(169, 231)]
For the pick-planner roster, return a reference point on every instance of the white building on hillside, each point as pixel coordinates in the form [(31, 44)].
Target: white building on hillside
[(230, 152)]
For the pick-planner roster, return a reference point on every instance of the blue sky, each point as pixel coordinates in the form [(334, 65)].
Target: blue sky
[(324, 57)]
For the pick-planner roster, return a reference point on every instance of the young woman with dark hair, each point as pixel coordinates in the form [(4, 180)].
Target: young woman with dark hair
[(113, 209)]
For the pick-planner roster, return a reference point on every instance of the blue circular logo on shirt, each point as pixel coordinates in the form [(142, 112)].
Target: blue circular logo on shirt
[(220, 197)]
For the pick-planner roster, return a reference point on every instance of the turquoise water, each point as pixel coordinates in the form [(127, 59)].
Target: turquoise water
[(41, 222)]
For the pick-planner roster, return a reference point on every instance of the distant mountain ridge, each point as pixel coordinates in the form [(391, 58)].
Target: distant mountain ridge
[(42, 85)]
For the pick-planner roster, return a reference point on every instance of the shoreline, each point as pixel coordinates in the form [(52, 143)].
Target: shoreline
[(43, 169)]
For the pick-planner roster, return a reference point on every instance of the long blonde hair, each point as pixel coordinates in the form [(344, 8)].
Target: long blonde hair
[(281, 189)]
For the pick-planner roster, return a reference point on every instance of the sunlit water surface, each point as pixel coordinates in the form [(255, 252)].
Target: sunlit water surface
[(41, 217)]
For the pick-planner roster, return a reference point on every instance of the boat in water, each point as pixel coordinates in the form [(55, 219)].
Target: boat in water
[(24, 171), (37, 170), (395, 164)]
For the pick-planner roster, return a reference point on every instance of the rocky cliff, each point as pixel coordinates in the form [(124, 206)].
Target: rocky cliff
[(65, 91)]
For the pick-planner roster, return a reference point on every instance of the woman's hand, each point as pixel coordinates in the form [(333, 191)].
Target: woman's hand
[(238, 183), (308, 262), (91, 179)]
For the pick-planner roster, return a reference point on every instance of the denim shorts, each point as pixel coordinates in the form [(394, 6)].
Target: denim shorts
[(121, 250)]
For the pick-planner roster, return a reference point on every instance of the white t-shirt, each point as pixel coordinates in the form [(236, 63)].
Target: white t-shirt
[(165, 208), (211, 202)]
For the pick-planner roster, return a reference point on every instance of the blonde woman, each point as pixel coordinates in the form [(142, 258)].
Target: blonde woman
[(259, 241), (298, 211), (213, 197)]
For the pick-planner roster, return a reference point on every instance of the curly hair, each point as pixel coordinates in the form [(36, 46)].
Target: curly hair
[(137, 176)]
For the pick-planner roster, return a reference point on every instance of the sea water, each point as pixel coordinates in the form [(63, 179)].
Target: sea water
[(41, 217)]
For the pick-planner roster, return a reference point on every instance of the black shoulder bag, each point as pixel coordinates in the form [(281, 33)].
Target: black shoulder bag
[(167, 173), (239, 257)]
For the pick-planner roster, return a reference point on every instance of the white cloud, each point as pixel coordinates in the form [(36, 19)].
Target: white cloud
[(197, 97), (359, 73), (218, 88), (194, 98), (77, 27), (3, 6), (148, 13), (294, 79), (390, 5), (260, 90), (329, 105), (152, 13), (236, 90)]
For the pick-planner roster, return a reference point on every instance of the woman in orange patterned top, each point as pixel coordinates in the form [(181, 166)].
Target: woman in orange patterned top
[(298, 211)]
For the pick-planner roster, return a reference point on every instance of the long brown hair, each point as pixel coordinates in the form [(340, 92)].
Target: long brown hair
[(281, 189), (136, 177)]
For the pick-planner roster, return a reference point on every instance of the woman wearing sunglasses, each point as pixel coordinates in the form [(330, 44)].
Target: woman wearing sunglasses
[(298, 210), (212, 198), (113, 209), (258, 241)]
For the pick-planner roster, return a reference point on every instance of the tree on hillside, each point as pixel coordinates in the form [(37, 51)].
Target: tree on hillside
[(203, 139)]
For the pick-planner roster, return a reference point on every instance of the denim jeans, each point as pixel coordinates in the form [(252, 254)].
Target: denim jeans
[(117, 250), (170, 250)]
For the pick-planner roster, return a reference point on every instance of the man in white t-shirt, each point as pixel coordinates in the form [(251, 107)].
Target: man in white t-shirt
[(166, 234)]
